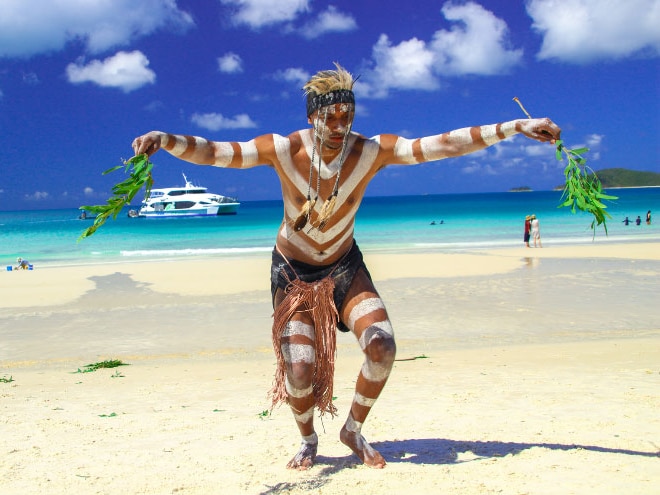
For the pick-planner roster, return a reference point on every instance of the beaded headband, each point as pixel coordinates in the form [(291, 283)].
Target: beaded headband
[(315, 102)]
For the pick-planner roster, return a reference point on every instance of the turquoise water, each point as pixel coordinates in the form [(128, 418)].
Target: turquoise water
[(469, 221)]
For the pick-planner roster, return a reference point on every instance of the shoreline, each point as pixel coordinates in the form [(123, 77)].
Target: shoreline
[(249, 272)]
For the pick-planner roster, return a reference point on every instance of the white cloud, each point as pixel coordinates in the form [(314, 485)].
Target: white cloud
[(125, 70), (88, 191), (258, 13), (408, 65), (477, 44), (37, 196), (331, 20), (216, 121), (583, 31), (479, 168), (294, 75), (230, 63), (31, 79), (30, 27), (594, 140)]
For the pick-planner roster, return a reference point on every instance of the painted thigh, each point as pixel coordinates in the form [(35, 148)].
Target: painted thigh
[(365, 315)]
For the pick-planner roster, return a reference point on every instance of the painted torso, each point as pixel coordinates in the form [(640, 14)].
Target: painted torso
[(294, 154)]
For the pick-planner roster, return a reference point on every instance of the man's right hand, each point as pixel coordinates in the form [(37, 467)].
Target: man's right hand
[(148, 143)]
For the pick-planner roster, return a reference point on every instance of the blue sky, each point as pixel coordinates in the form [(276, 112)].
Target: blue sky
[(80, 79)]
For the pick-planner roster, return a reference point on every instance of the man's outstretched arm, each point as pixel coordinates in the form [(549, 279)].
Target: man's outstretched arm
[(201, 151), (465, 140)]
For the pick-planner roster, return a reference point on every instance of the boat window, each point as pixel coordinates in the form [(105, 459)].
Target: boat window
[(182, 205), (177, 193)]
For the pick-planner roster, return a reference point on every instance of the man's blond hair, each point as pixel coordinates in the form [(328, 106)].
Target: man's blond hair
[(329, 80)]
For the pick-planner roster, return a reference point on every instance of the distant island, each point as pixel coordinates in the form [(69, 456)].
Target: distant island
[(623, 177), (521, 189)]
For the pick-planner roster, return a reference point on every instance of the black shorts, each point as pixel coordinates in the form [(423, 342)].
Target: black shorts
[(342, 273)]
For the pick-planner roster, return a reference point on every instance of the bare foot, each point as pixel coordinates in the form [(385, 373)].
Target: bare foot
[(304, 459), (367, 454)]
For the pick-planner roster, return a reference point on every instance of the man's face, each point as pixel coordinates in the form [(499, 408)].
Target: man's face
[(332, 123)]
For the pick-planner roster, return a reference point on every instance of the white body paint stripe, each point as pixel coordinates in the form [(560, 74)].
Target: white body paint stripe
[(295, 327), (312, 439), (430, 148), (223, 154), (403, 150), (363, 401), (363, 308), (461, 136), (304, 417), (249, 153), (352, 425), (509, 128), (296, 392), (489, 134), (298, 353), (180, 146), (375, 372)]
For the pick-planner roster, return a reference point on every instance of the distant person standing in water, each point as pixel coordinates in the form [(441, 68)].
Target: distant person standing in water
[(536, 231), (648, 217), (638, 220)]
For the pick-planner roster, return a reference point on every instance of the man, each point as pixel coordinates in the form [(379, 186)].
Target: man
[(318, 278)]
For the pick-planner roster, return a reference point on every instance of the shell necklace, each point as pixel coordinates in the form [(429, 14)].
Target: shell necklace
[(329, 205)]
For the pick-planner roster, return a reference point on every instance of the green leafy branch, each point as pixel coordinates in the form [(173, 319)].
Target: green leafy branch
[(139, 169), (583, 189)]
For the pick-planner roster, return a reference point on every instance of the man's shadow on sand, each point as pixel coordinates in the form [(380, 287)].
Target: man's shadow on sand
[(438, 451)]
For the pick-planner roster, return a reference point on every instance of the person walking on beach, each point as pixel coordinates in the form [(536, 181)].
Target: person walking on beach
[(536, 231), (319, 281), (528, 226)]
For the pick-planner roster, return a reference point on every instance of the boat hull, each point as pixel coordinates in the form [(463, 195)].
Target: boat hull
[(211, 211)]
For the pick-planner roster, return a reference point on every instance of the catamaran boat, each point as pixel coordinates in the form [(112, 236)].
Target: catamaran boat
[(187, 201)]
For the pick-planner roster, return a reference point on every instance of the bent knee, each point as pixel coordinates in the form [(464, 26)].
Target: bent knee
[(380, 346), (300, 374)]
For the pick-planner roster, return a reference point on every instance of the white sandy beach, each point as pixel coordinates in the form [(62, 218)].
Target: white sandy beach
[(520, 371)]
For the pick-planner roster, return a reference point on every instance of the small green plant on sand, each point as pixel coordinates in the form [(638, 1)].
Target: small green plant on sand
[(4, 379), (583, 189), (112, 363), (139, 170)]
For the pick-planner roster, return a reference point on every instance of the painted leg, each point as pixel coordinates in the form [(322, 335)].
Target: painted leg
[(368, 320), (298, 351)]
